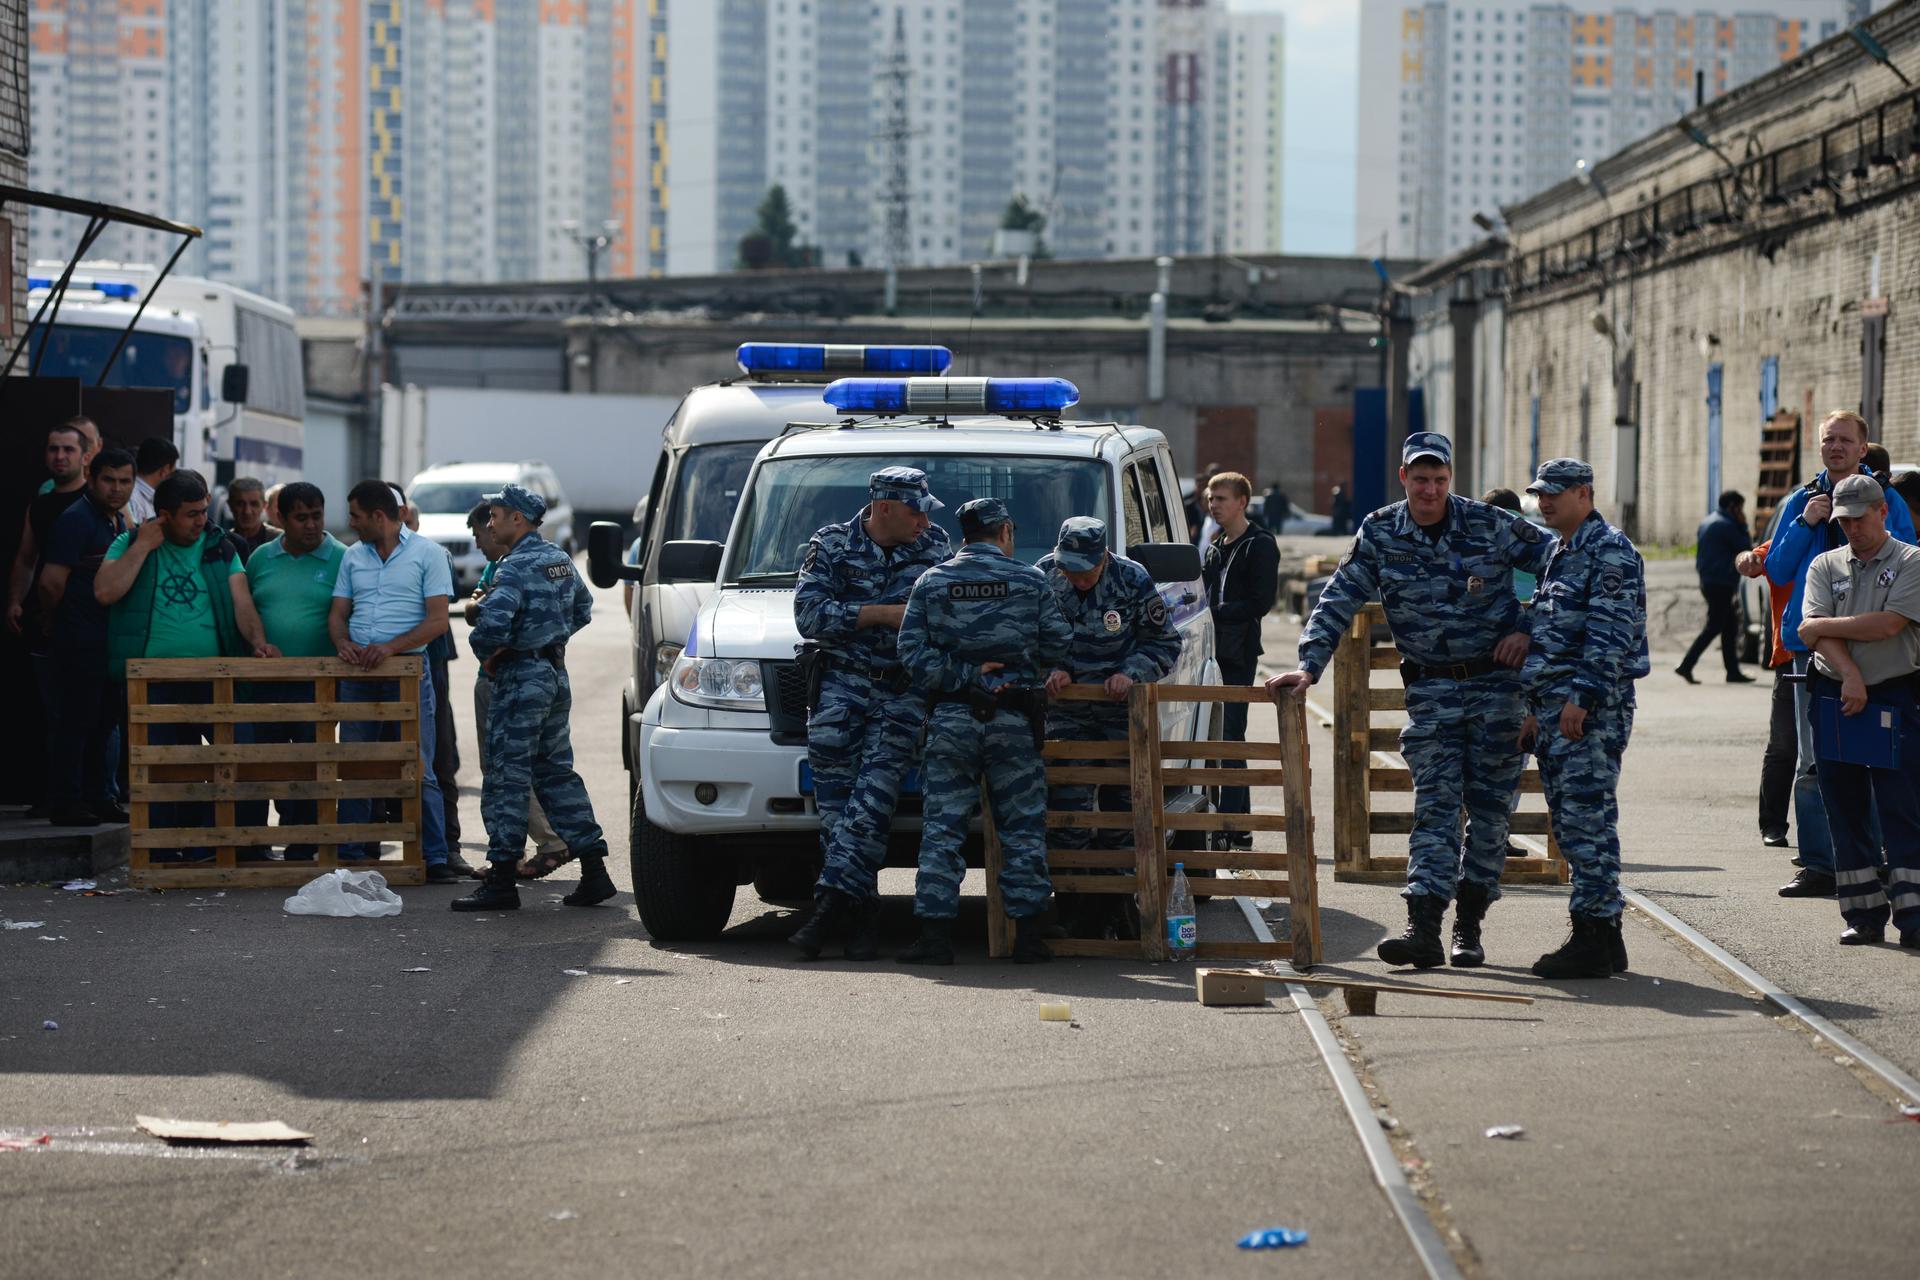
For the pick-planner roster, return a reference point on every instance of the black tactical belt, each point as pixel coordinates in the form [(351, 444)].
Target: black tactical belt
[(1411, 671), (554, 653), (987, 703)]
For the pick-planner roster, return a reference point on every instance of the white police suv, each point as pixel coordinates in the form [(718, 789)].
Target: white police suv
[(725, 794)]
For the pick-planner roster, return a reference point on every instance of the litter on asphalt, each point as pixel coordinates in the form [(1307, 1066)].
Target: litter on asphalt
[(1273, 1238), (22, 924), (225, 1131), (1507, 1131), (80, 886), (1055, 1011)]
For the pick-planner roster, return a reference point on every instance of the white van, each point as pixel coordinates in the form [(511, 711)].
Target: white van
[(724, 794)]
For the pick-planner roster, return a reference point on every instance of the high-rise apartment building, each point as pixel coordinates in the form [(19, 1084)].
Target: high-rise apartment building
[(1252, 54), (1468, 105)]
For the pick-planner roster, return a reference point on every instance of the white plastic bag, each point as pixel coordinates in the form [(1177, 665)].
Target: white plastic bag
[(345, 893)]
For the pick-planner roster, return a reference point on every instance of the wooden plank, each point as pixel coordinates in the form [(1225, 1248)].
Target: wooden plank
[(1216, 887), (1391, 868), (1149, 842), (1095, 884), (1073, 749), (1081, 859), (138, 815), (1401, 779), (1394, 988), (331, 790), (326, 692), (268, 712), (226, 854), (1059, 775), (1383, 657), (339, 833), (267, 669), (1530, 823), (1211, 693), (1231, 860), (303, 752), (410, 805), (1394, 699), (1302, 871), (1197, 777), (1225, 821), (1213, 749), (293, 770), (1092, 821), (1383, 739)]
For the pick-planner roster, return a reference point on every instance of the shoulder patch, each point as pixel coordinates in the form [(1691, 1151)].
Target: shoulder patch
[(1526, 530), (1157, 611), (813, 557), (555, 572), (978, 591)]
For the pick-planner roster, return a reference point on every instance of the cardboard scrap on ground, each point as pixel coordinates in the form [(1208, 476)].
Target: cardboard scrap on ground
[(267, 1131)]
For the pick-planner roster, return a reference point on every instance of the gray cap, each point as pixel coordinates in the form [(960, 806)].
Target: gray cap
[(1557, 475), (903, 484), (1426, 444), (982, 515), (515, 498), (1857, 495), (1082, 544)]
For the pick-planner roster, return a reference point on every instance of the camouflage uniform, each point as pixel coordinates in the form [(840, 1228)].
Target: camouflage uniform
[(536, 602), (1121, 627), (863, 736), (982, 606), (1588, 621), (1449, 601)]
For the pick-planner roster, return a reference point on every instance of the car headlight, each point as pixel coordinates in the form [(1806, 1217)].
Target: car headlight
[(722, 683), (664, 656)]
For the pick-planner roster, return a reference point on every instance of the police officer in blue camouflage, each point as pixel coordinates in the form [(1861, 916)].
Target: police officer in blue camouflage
[(981, 634), (1122, 635), (1589, 644), (520, 635), (863, 731), (1443, 566)]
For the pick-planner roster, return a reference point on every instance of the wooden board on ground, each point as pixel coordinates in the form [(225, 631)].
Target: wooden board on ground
[(1222, 987)]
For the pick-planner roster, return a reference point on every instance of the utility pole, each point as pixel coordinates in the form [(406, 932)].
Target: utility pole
[(895, 134), (592, 243)]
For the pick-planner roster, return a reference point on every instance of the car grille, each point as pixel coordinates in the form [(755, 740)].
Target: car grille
[(786, 701)]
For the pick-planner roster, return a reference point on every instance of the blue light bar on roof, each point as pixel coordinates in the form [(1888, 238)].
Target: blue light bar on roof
[(778, 357), (1011, 397), (119, 289)]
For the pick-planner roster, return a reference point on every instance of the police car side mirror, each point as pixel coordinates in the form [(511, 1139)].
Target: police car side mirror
[(606, 563), (690, 561), (1167, 561)]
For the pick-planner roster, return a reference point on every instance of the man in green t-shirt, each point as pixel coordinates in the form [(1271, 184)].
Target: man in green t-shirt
[(177, 589), (291, 579)]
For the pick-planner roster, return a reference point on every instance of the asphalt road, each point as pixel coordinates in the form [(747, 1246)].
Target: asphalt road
[(721, 1109)]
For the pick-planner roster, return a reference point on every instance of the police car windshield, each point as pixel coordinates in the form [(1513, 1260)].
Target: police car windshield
[(793, 498)]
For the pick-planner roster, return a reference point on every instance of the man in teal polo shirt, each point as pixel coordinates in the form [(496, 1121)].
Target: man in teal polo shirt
[(390, 600), (292, 581)]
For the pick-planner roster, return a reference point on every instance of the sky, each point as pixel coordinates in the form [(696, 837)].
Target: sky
[(1323, 51)]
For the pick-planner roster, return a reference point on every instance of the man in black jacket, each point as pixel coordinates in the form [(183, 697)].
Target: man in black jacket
[(1722, 537), (1242, 571)]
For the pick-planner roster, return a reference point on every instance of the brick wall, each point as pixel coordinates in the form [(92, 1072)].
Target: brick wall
[(1788, 278), (13, 156)]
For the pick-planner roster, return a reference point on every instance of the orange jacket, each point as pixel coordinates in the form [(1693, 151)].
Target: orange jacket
[(1777, 595)]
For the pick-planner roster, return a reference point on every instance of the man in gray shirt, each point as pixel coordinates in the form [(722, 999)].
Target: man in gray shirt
[(1861, 618)]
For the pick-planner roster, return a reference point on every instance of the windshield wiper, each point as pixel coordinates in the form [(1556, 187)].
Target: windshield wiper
[(746, 579)]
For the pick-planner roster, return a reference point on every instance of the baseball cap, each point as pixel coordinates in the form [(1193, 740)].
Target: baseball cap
[(982, 515), (1082, 543), (1426, 444), (1557, 475), (1857, 495), (903, 484), (516, 498)]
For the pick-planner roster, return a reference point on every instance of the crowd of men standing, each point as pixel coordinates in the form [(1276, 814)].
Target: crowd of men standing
[(118, 560)]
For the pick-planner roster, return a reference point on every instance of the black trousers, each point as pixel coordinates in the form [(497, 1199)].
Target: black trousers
[(1723, 620), (446, 752), (1234, 729), (85, 709), (1777, 765)]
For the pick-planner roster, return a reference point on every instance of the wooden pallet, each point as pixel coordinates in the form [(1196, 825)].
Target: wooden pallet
[(1779, 467), (224, 771), (1142, 869), (1357, 778)]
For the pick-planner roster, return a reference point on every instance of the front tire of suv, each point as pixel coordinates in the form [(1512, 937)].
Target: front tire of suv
[(682, 896)]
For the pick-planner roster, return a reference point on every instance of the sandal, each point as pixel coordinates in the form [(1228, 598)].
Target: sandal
[(542, 865)]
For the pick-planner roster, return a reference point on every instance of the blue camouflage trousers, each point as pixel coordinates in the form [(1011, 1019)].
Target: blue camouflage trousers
[(961, 751), (1461, 743), (528, 746), (1081, 797), (861, 742), (1581, 778)]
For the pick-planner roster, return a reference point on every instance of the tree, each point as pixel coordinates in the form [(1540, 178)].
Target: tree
[(771, 242), (1022, 216)]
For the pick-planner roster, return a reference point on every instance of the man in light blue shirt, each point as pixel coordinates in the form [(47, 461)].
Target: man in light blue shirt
[(391, 600)]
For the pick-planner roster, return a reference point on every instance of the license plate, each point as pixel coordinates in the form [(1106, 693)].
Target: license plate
[(909, 785)]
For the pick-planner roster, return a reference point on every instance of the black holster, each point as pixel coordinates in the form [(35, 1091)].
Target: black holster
[(811, 660)]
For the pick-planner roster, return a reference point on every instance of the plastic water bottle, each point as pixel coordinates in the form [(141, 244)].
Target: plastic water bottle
[(1183, 933)]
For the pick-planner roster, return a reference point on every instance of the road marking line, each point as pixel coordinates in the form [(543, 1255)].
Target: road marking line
[(1425, 1238)]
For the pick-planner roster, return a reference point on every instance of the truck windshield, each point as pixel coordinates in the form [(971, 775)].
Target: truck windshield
[(149, 360), (793, 498)]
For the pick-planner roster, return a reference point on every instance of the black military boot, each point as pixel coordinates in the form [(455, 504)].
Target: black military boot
[(499, 891), (1419, 946), (1587, 952), (1029, 942), (863, 929), (831, 910), (933, 946), (596, 886), (1470, 905), (1616, 944)]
